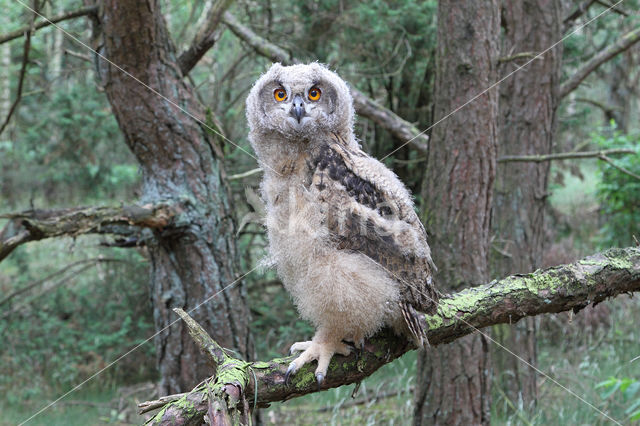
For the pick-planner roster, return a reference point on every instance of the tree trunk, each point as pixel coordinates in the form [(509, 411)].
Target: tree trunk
[(182, 164), (623, 89), (528, 102), (454, 381)]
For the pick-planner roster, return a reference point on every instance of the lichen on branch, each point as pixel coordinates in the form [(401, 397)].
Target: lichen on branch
[(561, 288)]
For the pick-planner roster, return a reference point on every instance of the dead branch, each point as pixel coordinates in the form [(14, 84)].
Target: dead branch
[(88, 10), (624, 43), (205, 37), (561, 288), (563, 156), (364, 105), (34, 225)]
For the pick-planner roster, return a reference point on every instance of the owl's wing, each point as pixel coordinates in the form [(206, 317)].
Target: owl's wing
[(371, 212)]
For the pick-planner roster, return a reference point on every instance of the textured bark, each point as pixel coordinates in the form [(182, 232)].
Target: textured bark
[(453, 381), (34, 225), (561, 288), (179, 162), (528, 102)]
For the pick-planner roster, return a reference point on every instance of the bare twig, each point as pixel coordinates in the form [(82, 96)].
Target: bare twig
[(624, 43), (622, 169), (145, 407), (616, 9), (521, 55), (55, 19), (563, 156), (607, 109), (85, 58), (23, 69)]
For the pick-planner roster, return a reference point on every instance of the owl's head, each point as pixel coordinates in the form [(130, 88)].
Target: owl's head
[(300, 102)]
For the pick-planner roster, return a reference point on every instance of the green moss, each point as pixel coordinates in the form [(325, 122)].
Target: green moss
[(158, 417), (305, 379), (261, 365), (618, 258), (434, 321)]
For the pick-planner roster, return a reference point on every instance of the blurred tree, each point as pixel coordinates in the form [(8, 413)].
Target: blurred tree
[(453, 385), (528, 102)]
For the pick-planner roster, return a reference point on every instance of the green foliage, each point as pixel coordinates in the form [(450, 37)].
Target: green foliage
[(73, 324), (626, 391), (618, 192)]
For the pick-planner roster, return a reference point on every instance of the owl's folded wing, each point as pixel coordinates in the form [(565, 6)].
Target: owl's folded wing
[(369, 211)]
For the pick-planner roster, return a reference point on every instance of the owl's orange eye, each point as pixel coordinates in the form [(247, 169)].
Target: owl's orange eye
[(314, 94), (280, 95)]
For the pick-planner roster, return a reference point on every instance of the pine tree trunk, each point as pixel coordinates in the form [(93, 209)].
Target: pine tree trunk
[(453, 385), (180, 162), (528, 102)]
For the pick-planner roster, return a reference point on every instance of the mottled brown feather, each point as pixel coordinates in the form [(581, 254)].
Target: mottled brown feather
[(349, 197)]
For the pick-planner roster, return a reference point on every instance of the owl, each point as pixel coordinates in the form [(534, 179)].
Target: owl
[(343, 233)]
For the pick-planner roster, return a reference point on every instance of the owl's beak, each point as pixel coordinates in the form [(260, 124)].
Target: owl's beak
[(297, 108)]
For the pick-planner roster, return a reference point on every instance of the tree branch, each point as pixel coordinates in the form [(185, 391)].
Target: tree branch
[(624, 43), (613, 8), (606, 159), (364, 106), (561, 288), (608, 110), (34, 225), (563, 156), (55, 19), (23, 69), (521, 55), (205, 37), (578, 12)]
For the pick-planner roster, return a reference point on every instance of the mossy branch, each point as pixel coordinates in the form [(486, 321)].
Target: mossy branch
[(126, 221), (561, 288)]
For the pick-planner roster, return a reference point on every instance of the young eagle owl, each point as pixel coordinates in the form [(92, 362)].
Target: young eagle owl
[(342, 229)]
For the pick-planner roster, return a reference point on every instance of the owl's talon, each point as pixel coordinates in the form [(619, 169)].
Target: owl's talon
[(299, 347), (319, 378), (291, 370)]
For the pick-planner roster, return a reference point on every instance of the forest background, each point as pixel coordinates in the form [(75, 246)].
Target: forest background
[(69, 306)]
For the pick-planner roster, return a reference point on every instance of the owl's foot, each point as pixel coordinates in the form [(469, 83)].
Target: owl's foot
[(315, 351)]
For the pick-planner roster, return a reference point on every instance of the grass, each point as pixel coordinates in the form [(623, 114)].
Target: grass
[(581, 359), (79, 409)]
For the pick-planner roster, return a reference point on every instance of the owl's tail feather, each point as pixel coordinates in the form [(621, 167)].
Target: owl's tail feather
[(415, 326)]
